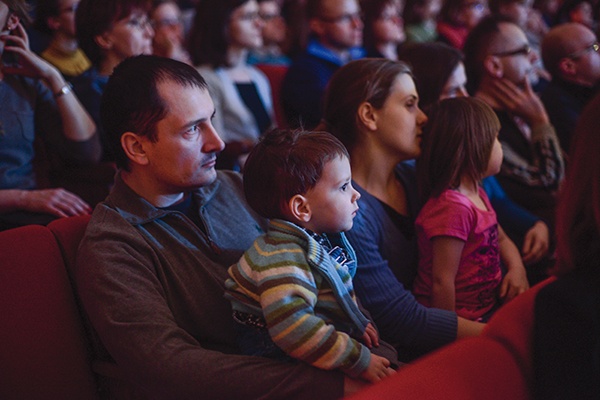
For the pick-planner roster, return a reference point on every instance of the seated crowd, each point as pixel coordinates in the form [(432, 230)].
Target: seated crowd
[(410, 190)]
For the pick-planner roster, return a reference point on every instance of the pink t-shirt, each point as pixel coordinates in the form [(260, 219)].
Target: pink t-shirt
[(479, 275)]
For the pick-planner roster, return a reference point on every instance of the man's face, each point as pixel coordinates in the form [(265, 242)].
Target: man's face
[(584, 55), (339, 24), (183, 156), (515, 57)]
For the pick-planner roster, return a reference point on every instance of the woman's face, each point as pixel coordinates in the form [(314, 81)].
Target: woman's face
[(400, 120), (389, 27), (456, 83), (245, 26), (130, 36)]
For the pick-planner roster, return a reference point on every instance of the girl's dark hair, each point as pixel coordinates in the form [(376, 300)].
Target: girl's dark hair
[(286, 163), (365, 80), (457, 142), (209, 38), (432, 64)]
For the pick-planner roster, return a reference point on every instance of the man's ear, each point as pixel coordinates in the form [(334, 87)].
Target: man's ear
[(367, 115), (133, 146), (300, 208), (493, 66), (567, 67), (316, 25)]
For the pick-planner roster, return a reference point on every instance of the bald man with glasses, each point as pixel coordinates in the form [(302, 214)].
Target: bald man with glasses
[(570, 52)]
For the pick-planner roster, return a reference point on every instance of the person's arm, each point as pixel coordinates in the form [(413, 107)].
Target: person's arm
[(533, 231), (547, 167), (447, 253), (515, 280), (77, 124), (401, 320), (57, 202)]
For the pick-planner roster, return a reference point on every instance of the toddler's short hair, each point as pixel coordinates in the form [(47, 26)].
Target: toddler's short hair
[(286, 163)]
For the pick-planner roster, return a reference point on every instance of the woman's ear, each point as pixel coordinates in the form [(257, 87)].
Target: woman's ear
[(300, 209), (12, 22), (103, 41), (133, 146), (367, 115)]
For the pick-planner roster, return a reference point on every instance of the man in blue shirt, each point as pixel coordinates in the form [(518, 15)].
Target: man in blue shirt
[(336, 32)]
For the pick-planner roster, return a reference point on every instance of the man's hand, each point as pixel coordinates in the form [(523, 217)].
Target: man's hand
[(522, 102), (536, 243)]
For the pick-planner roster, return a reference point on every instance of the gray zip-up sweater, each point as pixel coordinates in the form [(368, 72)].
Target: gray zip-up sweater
[(152, 284)]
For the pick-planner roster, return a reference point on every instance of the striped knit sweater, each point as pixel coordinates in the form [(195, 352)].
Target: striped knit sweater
[(305, 297)]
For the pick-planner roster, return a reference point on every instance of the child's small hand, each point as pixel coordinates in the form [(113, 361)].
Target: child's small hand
[(378, 369), (514, 283), (370, 337)]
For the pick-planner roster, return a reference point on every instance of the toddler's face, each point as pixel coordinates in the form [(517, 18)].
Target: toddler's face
[(333, 200)]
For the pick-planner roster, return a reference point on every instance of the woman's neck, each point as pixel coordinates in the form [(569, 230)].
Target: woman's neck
[(376, 174), (65, 43), (237, 57)]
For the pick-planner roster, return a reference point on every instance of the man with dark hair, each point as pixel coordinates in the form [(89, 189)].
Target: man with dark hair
[(498, 61), (570, 52), (152, 266), (335, 38)]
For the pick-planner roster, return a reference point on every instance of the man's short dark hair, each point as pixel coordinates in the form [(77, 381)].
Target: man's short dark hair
[(131, 102), (286, 163), (477, 46)]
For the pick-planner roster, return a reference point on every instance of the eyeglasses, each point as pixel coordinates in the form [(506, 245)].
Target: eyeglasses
[(168, 22), (140, 23), (523, 51), (390, 17), (343, 19), (269, 17), (249, 16), (592, 47)]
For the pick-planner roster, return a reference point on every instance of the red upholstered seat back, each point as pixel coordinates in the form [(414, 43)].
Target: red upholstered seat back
[(469, 369), (68, 233), (275, 74), (43, 352), (512, 326)]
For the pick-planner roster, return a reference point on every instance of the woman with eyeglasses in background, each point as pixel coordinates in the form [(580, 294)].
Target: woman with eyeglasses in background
[(108, 31), (168, 41), (222, 34)]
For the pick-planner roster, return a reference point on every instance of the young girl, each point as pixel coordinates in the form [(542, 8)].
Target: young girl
[(461, 245)]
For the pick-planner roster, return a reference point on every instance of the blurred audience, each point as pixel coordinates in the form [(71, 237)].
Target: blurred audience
[(37, 104), (336, 37), (384, 28), (275, 36), (224, 32), (570, 51), (108, 31), (457, 18), (420, 20), (168, 40), (56, 18)]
